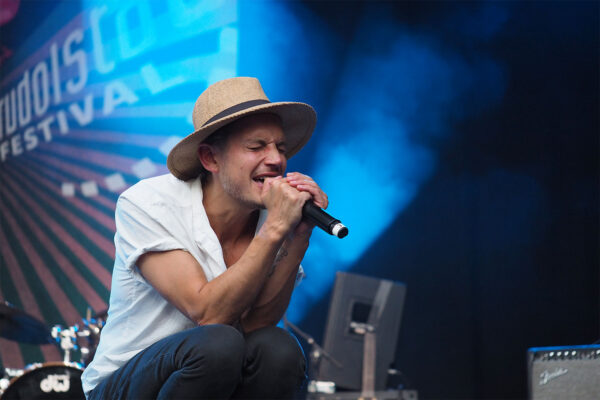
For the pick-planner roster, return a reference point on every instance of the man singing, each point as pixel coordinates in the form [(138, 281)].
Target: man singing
[(207, 258)]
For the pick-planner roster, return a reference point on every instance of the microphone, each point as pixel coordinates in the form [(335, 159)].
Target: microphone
[(323, 220)]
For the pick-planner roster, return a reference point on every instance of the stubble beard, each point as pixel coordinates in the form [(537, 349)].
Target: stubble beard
[(235, 191)]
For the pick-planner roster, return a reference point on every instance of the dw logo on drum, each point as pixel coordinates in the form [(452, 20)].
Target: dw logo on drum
[(56, 383)]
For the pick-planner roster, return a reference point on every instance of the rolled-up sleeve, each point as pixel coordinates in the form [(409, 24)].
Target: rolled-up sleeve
[(139, 232)]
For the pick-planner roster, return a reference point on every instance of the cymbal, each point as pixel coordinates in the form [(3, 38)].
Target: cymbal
[(19, 326)]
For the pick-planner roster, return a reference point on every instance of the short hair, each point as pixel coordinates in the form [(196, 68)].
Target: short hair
[(217, 139)]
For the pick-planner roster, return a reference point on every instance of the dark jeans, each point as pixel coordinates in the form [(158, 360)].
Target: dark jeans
[(211, 362)]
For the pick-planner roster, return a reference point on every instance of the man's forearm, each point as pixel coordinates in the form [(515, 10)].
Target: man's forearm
[(225, 298), (274, 298)]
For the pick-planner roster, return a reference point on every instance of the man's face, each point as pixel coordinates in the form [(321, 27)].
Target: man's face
[(255, 150)]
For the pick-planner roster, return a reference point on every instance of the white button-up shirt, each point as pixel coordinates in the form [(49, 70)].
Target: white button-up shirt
[(157, 214)]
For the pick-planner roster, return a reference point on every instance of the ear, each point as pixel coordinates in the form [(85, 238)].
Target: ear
[(206, 155)]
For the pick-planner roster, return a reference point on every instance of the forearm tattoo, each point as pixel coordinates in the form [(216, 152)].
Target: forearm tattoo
[(281, 254)]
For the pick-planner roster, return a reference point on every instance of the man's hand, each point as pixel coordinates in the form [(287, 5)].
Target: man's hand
[(305, 183), (284, 204)]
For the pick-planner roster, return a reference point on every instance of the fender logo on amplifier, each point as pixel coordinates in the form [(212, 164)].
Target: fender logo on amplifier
[(564, 372), (547, 376)]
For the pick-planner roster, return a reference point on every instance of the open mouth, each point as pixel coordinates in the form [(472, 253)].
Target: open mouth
[(261, 178)]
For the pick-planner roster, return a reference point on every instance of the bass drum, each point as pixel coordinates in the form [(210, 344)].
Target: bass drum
[(54, 380)]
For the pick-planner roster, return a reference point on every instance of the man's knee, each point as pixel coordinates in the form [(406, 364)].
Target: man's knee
[(218, 348), (277, 348)]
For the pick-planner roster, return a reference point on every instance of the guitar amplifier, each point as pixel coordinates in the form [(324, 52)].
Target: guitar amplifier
[(570, 372)]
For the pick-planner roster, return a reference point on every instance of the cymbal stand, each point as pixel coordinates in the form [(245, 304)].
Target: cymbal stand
[(67, 338)]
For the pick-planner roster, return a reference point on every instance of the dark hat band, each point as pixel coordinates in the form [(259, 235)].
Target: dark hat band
[(238, 107)]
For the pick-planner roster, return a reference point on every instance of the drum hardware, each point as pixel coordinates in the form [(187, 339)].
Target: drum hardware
[(13, 372), (9, 374), (75, 338), (54, 380), (67, 339), (85, 351), (85, 338), (4, 383), (89, 335)]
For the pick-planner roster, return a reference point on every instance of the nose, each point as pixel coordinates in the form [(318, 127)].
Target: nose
[(274, 156)]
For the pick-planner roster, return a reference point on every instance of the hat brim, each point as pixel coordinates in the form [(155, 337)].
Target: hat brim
[(298, 122)]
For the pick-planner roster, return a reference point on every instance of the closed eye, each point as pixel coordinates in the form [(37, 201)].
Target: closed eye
[(259, 145), (256, 144), (281, 149)]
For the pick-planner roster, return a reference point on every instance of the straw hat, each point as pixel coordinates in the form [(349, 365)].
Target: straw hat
[(228, 100)]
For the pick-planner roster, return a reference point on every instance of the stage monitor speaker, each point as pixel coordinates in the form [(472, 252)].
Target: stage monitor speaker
[(570, 372), (354, 297)]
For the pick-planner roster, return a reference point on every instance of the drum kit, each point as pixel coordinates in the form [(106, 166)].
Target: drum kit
[(50, 380)]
